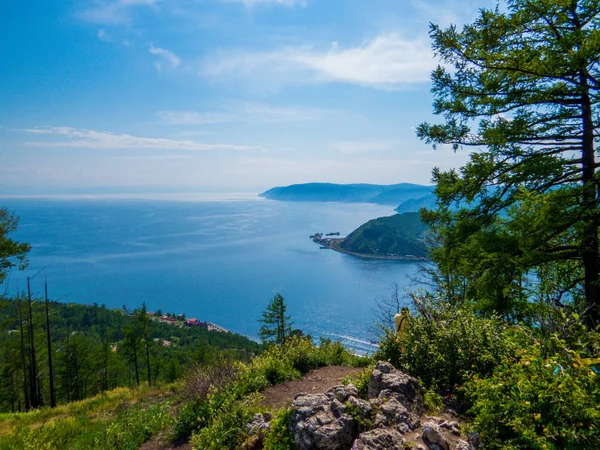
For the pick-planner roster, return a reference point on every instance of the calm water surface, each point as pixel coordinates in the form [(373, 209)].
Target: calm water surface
[(219, 261)]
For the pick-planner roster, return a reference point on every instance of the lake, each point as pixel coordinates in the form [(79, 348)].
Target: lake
[(219, 259)]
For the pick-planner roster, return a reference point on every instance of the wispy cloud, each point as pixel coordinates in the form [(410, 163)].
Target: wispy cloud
[(251, 3), (363, 146), (114, 12), (83, 138), (165, 57), (246, 112), (386, 61)]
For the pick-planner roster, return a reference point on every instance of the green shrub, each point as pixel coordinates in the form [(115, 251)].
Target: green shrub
[(434, 403), (280, 437), (447, 347), (360, 381), (537, 402), (190, 419), (227, 429), (135, 426)]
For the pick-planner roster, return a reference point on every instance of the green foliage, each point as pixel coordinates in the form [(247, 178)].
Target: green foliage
[(96, 349), (434, 402), (215, 420), (520, 84), (82, 429), (364, 422), (276, 325), (12, 253), (135, 426), (444, 349), (401, 234), (280, 437), (537, 402), (360, 381), (227, 429)]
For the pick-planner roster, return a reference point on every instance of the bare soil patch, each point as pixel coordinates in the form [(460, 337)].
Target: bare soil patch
[(315, 382)]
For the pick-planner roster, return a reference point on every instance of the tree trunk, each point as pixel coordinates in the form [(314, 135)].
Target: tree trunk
[(137, 370), (35, 403), (23, 359), (148, 363), (590, 254), (50, 366)]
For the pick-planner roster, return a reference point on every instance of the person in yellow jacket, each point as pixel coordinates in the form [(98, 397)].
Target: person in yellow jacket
[(402, 322)]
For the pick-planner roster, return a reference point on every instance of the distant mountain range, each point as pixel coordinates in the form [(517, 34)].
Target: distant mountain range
[(397, 235), (409, 197)]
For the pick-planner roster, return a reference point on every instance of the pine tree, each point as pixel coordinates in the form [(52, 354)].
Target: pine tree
[(276, 326), (521, 87)]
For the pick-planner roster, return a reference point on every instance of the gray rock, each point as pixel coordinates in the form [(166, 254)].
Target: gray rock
[(387, 382), (364, 408), (258, 425), (337, 408), (320, 423), (433, 438), (474, 440), (463, 445), (342, 393), (402, 428), (393, 413), (388, 439)]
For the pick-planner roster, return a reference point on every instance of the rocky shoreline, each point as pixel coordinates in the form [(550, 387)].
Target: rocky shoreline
[(334, 244)]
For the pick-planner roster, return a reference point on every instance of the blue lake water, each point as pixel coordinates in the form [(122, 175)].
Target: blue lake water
[(218, 260)]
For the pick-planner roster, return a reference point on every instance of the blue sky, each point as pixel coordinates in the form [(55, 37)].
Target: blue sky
[(219, 95)]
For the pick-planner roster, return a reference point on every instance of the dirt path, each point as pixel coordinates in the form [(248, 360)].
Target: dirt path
[(315, 382)]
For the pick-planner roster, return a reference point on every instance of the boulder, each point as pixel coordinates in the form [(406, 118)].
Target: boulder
[(363, 408), (393, 414), (386, 382), (388, 439), (475, 440), (433, 438), (320, 423), (342, 393)]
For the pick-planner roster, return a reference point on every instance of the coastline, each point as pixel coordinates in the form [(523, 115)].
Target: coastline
[(333, 244)]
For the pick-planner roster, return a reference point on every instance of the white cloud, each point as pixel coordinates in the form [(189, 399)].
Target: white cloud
[(103, 35), (251, 3), (245, 112), (363, 146), (192, 117), (114, 12), (166, 56), (82, 138), (387, 61)]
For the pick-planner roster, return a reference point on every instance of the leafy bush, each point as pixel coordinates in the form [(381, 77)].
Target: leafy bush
[(537, 402), (434, 403), (445, 348), (360, 381), (227, 429), (280, 437)]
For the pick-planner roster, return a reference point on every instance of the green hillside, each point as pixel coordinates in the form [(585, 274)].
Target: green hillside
[(397, 235)]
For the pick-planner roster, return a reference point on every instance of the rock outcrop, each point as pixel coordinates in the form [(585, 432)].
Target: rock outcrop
[(386, 382), (321, 422), (392, 418)]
